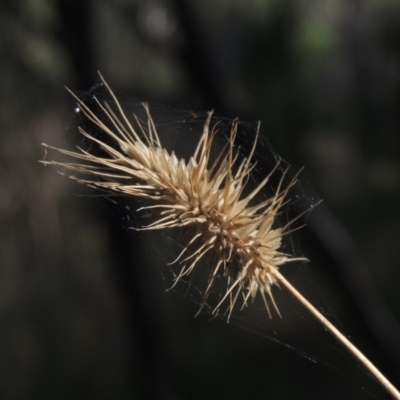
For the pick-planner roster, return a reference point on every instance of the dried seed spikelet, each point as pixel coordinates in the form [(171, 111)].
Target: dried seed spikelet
[(240, 241)]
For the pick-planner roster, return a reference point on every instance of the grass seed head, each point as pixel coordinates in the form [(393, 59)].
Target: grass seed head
[(239, 240), (224, 229)]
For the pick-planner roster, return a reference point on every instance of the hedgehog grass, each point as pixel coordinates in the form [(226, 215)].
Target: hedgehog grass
[(224, 229)]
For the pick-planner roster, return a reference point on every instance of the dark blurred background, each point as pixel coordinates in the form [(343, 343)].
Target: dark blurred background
[(83, 308)]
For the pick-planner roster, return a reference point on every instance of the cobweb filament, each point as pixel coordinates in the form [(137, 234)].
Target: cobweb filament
[(228, 225)]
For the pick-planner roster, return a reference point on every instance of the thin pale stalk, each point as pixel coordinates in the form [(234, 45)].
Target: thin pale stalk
[(340, 337)]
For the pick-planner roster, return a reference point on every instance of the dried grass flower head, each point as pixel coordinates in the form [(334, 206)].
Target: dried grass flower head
[(208, 196)]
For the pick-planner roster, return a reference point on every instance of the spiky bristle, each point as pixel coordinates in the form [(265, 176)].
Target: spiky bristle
[(239, 241)]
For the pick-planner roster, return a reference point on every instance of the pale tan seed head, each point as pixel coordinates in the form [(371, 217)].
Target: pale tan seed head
[(239, 241), (224, 229)]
